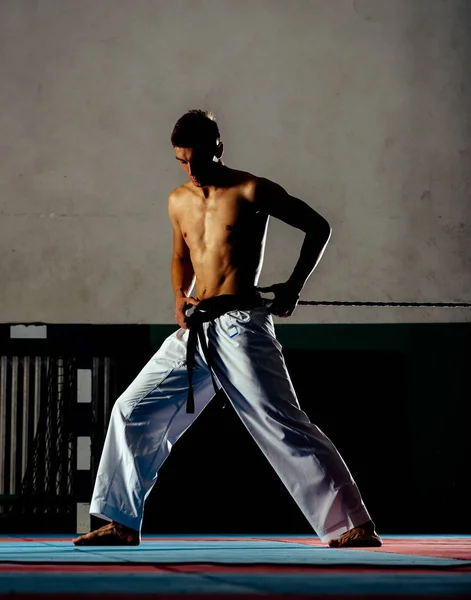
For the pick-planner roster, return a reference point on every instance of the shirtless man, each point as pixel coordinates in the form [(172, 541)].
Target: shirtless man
[(220, 218)]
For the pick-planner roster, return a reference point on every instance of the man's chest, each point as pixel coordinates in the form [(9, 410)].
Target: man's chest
[(215, 219)]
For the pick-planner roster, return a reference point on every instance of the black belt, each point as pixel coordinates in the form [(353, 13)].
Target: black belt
[(208, 310)]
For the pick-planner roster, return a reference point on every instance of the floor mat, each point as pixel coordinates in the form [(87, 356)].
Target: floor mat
[(234, 567)]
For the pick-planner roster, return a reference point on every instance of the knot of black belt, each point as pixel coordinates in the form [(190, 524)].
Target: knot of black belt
[(208, 310)]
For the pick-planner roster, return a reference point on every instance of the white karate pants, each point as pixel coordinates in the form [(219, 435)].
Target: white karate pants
[(150, 416)]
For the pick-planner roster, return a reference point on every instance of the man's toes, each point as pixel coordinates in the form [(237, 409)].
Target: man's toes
[(83, 540), (80, 541), (109, 535)]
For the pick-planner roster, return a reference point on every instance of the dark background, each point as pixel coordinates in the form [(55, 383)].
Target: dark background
[(394, 399)]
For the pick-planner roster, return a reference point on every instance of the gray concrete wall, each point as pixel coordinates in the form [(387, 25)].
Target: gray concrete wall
[(360, 108)]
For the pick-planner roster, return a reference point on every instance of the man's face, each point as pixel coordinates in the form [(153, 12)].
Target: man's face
[(197, 164)]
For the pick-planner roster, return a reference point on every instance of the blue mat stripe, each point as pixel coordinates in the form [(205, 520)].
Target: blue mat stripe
[(232, 552), (214, 584)]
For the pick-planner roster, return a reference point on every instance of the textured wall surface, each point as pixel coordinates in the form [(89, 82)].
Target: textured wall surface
[(361, 108)]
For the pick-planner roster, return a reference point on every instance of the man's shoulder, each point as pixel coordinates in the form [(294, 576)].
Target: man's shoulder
[(243, 177), (247, 182), (175, 201), (179, 192), (177, 196), (255, 185)]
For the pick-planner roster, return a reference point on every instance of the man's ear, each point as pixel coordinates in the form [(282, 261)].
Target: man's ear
[(219, 150)]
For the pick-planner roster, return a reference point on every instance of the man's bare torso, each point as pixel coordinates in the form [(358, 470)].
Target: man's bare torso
[(224, 233)]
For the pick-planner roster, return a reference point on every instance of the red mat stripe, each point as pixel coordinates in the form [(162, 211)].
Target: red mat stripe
[(459, 548), (81, 596), (202, 568), (156, 539)]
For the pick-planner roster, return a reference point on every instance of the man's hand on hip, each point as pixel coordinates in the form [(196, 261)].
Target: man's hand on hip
[(286, 298), (181, 304)]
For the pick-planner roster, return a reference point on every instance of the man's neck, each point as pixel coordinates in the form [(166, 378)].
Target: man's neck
[(219, 178)]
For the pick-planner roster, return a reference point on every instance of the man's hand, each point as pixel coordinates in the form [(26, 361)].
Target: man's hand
[(181, 304), (286, 298)]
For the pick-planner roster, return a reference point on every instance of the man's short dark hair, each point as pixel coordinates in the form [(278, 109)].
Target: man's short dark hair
[(195, 128)]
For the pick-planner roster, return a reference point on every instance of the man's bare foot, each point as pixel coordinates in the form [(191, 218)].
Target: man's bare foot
[(113, 534), (363, 536)]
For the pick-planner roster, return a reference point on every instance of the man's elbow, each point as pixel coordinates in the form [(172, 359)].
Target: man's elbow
[(320, 229), (328, 232)]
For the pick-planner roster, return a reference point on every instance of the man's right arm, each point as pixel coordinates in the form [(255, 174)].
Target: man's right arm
[(183, 275)]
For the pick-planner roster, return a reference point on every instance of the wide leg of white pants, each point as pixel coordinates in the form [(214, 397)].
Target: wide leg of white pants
[(146, 420), (249, 364)]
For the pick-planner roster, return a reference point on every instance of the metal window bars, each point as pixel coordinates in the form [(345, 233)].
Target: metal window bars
[(37, 439)]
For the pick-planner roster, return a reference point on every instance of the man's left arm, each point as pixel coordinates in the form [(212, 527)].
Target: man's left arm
[(272, 199)]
